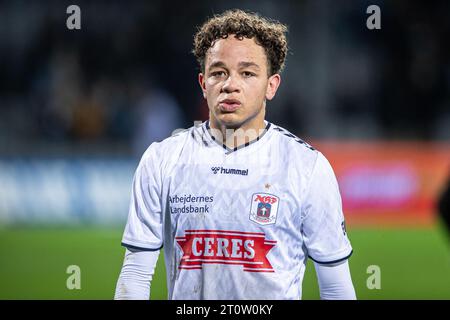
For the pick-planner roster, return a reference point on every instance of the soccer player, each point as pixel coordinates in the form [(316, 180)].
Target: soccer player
[(238, 203)]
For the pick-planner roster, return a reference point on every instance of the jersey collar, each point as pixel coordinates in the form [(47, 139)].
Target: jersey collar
[(206, 128)]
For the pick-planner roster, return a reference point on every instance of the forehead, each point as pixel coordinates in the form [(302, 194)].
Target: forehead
[(231, 51)]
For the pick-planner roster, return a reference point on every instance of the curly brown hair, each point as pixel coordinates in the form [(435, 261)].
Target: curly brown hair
[(270, 34)]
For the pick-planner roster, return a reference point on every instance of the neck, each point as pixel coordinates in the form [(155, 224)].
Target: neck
[(237, 135)]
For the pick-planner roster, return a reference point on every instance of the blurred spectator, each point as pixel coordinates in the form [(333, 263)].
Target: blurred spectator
[(157, 115), (89, 119)]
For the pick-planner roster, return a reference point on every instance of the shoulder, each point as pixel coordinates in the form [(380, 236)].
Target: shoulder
[(291, 140), (165, 151), (301, 155), (295, 147)]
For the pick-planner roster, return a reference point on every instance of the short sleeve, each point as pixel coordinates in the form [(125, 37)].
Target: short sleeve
[(143, 230), (323, 225)]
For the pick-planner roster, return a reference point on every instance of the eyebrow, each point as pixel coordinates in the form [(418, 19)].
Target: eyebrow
[(242, 64), (217, 64)]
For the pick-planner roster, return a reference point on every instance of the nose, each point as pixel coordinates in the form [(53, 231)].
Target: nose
[(230, 84)]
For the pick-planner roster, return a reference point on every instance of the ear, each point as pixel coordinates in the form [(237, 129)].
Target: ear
[(272, 86), (201, 81)]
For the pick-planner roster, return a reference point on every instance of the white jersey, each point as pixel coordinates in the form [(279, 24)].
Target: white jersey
[(236, 223)]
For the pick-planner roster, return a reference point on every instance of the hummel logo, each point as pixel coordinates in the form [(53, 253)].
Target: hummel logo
[(223, 170), (215, 169)]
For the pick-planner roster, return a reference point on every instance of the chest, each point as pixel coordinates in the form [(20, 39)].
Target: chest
[(235, 193)]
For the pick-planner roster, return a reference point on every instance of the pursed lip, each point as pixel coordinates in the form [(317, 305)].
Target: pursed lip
[(230, 101), (229, 105)]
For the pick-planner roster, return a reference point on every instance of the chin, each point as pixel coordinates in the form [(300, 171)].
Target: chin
[(230, 120)]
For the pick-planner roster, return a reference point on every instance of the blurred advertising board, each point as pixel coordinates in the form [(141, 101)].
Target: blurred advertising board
[(389, 183), (65, 190)]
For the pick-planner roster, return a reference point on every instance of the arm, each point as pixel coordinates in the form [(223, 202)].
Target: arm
[(325, 235), (136, 275), (335, 281), (143, 235)]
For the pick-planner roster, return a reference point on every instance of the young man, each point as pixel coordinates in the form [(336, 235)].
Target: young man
[(238, 203)]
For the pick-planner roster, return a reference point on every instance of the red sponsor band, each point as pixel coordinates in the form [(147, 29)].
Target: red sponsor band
[(248, 249)]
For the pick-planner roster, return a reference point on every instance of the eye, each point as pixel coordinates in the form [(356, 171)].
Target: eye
[(248, 74), (218, 74)]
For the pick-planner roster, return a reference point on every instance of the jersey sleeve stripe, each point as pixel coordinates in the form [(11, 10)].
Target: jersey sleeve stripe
[(129, 246), (293, 136), (334, 261)]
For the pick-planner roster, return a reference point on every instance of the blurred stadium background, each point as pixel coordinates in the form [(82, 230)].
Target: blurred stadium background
[(78, 108)]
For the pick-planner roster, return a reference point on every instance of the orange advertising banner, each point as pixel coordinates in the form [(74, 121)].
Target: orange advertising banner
[(389, 183)]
